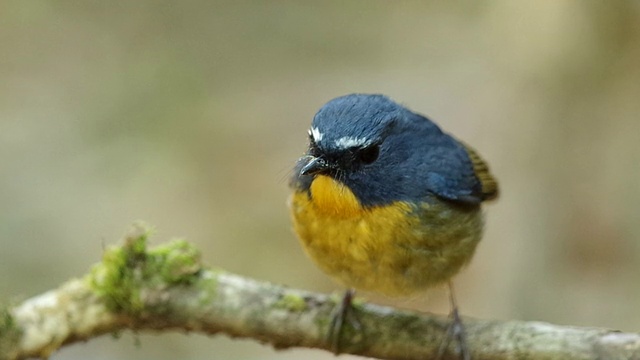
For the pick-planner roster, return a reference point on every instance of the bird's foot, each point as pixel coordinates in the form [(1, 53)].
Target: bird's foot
[(342, 313), (455, 331)]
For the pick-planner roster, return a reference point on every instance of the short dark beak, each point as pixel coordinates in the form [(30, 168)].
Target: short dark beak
[(315, 166)]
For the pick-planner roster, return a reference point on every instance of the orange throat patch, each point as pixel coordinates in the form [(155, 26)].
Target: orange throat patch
[(333, 198)]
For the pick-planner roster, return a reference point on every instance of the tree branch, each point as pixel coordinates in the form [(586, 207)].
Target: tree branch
[(167, 288)]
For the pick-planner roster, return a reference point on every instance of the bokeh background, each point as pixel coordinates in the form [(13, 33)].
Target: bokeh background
[(190, 114)]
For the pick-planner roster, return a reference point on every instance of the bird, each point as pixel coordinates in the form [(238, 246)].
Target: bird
[(385, 201)]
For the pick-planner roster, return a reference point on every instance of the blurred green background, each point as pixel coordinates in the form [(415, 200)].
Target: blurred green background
[(190, 114)]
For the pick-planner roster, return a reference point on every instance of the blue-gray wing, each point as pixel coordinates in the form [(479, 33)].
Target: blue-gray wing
[(456, 172)]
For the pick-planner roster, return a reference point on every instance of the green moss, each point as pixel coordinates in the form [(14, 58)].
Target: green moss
[(117, 277), (9, 332), (126, 269), (208, 287), (291, 302), (175, 262)]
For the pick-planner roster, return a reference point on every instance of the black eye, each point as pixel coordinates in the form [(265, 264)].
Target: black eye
[(368, 154)]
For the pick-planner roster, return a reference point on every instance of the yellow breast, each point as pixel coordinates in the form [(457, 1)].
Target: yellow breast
[(396, 249)]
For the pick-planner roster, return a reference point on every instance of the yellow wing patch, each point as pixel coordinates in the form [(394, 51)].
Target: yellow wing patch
[(481, 169)]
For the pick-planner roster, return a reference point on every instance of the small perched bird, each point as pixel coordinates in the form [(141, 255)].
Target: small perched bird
[(384, 201)]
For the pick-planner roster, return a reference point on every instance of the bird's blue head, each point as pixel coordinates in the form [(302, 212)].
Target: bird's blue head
[(383, 153)]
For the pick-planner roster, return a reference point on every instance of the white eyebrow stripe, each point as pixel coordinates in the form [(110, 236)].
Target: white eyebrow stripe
[(349, 142), (316, 134)]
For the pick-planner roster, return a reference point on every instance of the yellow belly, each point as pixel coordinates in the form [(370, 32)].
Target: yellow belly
[(396, 249)]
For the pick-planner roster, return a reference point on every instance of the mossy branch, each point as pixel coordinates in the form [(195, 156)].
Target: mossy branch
[(167, 288)]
